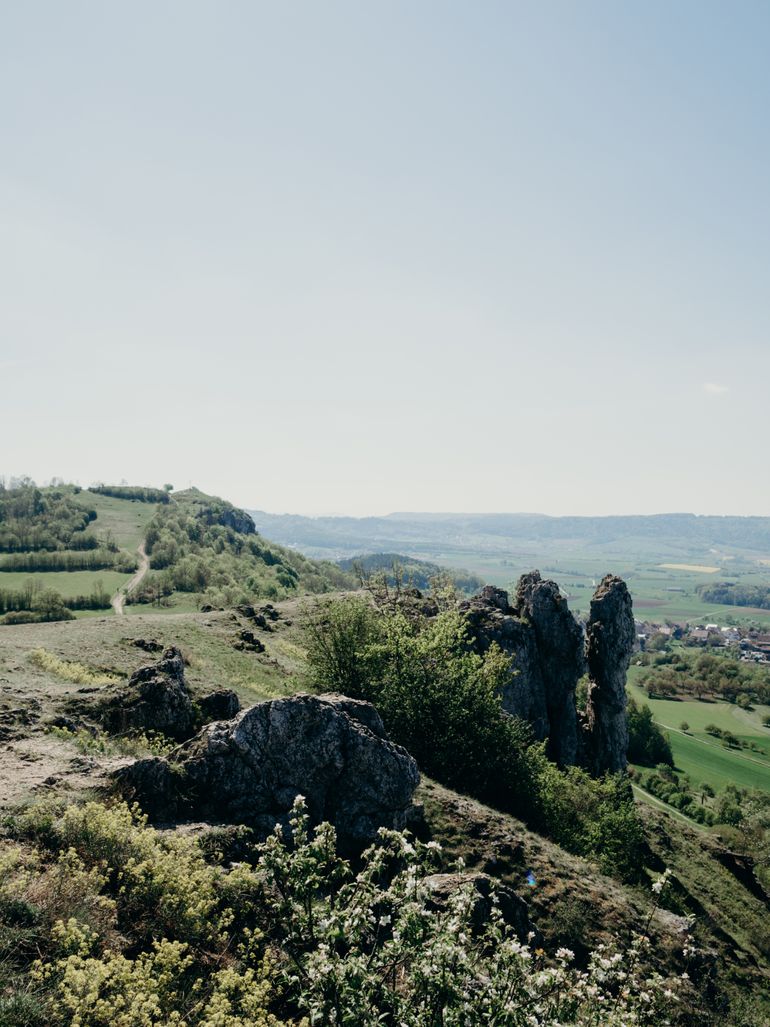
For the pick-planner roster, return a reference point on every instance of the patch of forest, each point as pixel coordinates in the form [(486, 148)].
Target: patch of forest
[(206, 546), (732, 593)]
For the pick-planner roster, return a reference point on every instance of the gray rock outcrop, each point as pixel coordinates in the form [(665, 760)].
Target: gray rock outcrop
[(559, 643), (223, 704), (249, 770), (156, 698), (610, 636), (441, 888), (549, 653), (491, 619)]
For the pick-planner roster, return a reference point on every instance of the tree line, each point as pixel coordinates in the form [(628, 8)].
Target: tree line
[(682, 672), (135, 493), (66, 560), (32, 602), (731, 593), (35, 520)]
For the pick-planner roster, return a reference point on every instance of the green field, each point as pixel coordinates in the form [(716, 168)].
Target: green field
[(660, 593), (124, 520), (703, 758), (119, 520), (67, 583)]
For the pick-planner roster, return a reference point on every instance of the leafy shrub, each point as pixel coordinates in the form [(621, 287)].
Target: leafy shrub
[(647, 744)]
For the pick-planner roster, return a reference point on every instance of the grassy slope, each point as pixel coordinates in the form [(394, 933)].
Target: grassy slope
[(703, 757), (29, 696), (572, 901), (124, 519)]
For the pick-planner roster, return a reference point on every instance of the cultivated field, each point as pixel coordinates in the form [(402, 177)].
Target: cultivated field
[(701, 756)]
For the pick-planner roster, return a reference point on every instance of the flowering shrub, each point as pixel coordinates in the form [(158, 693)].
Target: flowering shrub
[(135, 929), (373, 947)]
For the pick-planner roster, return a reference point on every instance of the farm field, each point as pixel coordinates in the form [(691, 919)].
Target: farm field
[(703, 758), (660, 593), (66, 583)]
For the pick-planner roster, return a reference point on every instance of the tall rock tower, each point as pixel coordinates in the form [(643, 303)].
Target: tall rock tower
[(610, 636)]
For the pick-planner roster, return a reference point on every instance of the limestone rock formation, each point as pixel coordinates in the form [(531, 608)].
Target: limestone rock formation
[(250, 769), (491, 619), (610, 636), (156, 698), (559, 642), (223, 704), (238, 520), (550, 652)]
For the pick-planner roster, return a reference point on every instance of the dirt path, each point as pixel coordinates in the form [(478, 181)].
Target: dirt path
[(119, 598)]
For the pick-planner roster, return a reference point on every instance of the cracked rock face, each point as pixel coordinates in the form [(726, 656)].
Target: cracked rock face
[(491, 619), (559, 643), (549, 653), (610, 635), (156, 698), (250, 769)]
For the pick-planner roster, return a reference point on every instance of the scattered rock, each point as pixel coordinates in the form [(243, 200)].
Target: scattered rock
[(249, 770), (149, 645), (67, 723), (247, 641), (514, 910)]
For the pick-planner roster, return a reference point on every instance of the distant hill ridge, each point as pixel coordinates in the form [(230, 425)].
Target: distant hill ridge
[(646, 534)]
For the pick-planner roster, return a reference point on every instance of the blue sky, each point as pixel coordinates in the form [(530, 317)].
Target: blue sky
[(362, 257)]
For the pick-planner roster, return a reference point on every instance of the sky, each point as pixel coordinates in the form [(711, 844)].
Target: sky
[(349, 257)]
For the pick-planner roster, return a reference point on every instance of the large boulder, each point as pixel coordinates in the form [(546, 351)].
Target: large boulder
[(249, 770), (610, 637)]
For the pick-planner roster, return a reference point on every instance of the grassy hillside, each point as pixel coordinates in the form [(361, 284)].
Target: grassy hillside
[(572, 903), (50, 537), (202, 551)]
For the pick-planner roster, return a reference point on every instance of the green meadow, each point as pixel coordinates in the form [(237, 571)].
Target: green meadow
[(125, 521), (660, 593), (701, 756), (66, 583)]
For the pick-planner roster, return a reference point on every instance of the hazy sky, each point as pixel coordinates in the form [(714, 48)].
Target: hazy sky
[(370, 256)]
